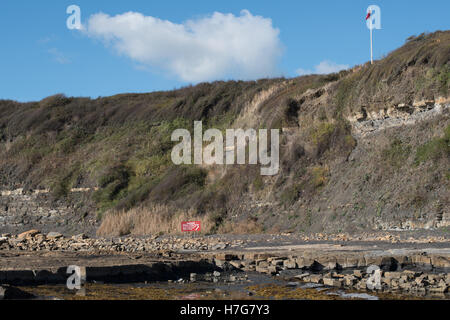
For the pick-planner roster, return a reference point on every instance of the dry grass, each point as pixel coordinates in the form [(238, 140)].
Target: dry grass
[(249, 226), (157, 219)]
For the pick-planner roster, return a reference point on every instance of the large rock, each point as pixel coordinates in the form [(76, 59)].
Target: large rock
[(350, 280), (332, 282), (440, 262), (261, 269), (80, 236), (28, 234), (290, 264), (272, 270), (54, 235), (316, 278), (237, 264)]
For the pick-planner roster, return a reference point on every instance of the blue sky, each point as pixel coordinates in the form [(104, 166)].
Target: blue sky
[(39, 56)]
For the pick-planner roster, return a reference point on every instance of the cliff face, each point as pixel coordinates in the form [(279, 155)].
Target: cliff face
[(367, 148)]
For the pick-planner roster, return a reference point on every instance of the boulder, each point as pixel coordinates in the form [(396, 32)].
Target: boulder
[(237, 264), (358, 273), (277, 262), (28, 234), (54, 235), (316, 278), (219, 263), (290, 264), (262, 264), (261, 269), (272, 270), (226, 256), (439, 261), (219, 246), (350, 280), (302, 276), (80, 236), (332, 282)]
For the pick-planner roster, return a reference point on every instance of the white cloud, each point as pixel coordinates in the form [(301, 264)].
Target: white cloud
[(214, 47), (324, 67), (58, 56)]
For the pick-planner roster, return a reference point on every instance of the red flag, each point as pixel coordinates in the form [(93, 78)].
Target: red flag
[(368, 16)]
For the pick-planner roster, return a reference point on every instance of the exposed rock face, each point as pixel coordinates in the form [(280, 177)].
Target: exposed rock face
[(400, 115), (368, 127), (20, 211)]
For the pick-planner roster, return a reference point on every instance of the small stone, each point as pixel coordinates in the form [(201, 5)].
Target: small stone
[(80, 236), (237, 264), (391, 275), (290, 264), (332, 282), (316, 278), (350, 280), (219, 246), (261, 269), (272, 270), (358, 273), (277, 262), (302, 276), (216, 274)]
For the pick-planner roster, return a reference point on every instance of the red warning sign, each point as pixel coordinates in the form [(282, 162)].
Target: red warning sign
[(189, 226)]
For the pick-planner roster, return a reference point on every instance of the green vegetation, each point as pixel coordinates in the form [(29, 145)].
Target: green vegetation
[(397, 153), (258, 183), (122, 144), (321, 134), (344, 93), (334, 135), (319, 176), (443, 78), (434, 149), (291, 194)]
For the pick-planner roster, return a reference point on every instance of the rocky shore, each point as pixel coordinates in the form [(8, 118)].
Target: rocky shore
[(34, 240), (412, 266), (412, 276)]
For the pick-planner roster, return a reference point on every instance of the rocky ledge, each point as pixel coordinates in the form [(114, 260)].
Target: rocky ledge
[(34, 240), (418, 274)]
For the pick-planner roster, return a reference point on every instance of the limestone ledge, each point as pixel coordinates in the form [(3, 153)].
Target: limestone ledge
[(18, 192), (364, 122)]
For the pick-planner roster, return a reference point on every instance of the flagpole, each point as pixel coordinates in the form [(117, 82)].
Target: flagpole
[(371, 45)]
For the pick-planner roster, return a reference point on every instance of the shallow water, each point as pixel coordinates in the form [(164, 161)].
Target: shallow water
[(256, 287)]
